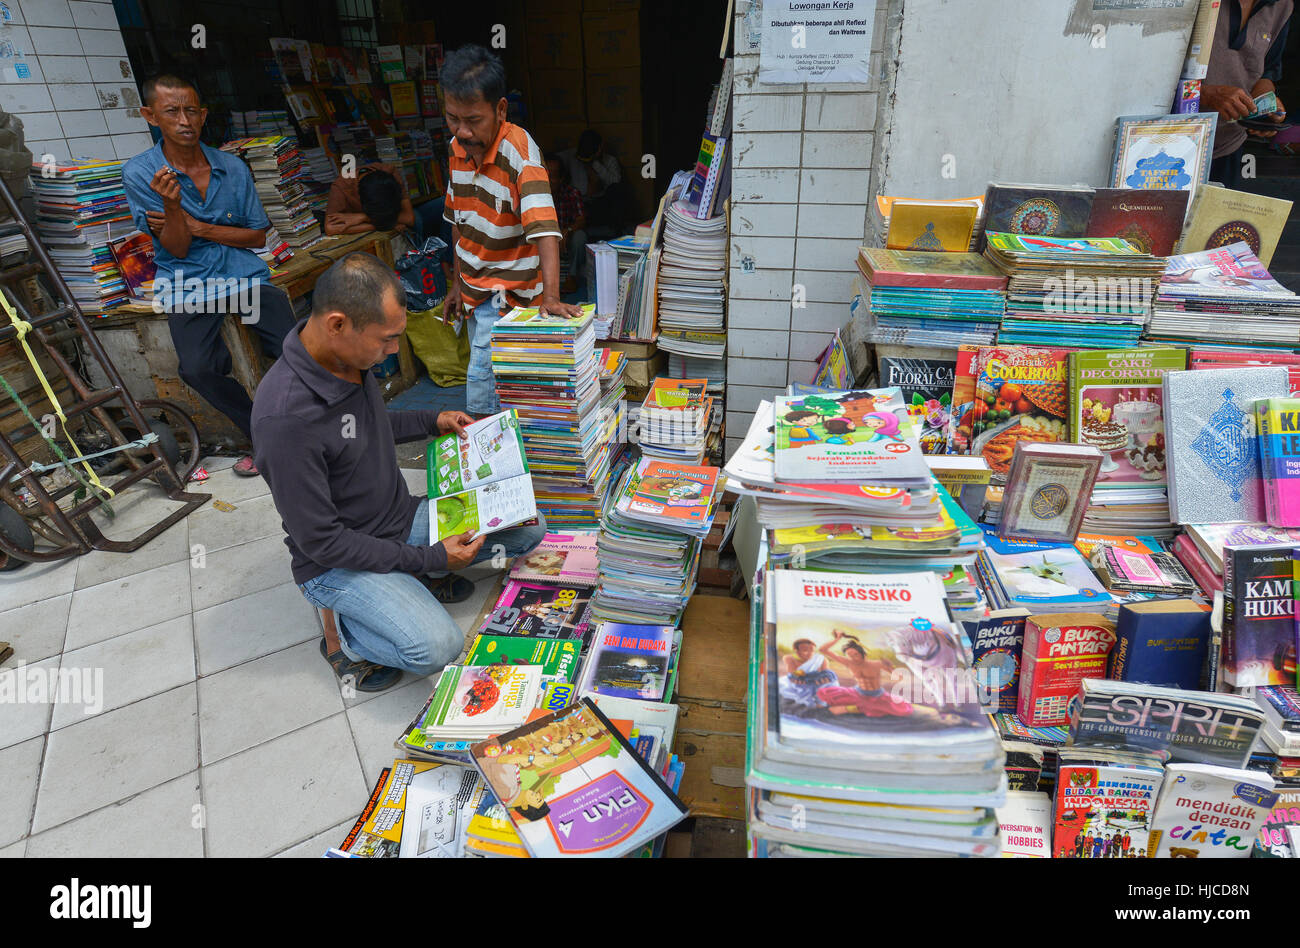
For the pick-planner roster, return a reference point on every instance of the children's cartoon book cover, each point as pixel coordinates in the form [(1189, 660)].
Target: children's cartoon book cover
[(573, 786), (845, 436), (673, 492), (537, 609)]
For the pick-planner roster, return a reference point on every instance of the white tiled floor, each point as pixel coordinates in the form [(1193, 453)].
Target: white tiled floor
[(221, 732)]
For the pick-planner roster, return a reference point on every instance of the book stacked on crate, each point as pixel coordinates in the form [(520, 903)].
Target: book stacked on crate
[(651, 535), (1224, 296), (278, 176), (866, 734), (676, 419), (1092, 292), (691, 270), (80, 207), (931, 298), (547, 369)]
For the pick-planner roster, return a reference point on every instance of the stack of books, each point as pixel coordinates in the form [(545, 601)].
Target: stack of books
[(278, 176), (547, 369), (1223, 296), (1090, 292), (675, 420), (80, 207), (258, 122), (691, 273), (936, 299), (650, 540), (866, 735), (320, 174)]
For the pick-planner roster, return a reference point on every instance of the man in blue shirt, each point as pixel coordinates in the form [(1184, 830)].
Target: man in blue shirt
[(203, 211)]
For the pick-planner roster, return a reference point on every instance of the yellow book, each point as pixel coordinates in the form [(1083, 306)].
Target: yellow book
[(919, 225), (1221, 216)]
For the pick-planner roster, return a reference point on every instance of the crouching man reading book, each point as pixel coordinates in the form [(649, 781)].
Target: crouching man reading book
[(359, 540)]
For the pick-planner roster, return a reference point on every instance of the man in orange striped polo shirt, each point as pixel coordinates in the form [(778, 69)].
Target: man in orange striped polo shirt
[(503, 218)]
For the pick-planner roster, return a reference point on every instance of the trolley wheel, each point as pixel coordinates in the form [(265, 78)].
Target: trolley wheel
[(167, 442), (14, 529)]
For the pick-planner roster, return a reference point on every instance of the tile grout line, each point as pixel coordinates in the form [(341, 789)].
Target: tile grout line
[(198, 699)]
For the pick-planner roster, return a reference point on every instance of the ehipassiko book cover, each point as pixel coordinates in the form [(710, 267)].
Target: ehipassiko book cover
[(1278, 422), (573, 786), (847, 436), (865, 660)]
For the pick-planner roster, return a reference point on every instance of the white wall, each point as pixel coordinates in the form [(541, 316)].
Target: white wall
[(78, 98), (800, 184), (1020, 91)]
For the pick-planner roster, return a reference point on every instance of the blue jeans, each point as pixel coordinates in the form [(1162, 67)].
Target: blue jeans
[(480, 383), (391, 618)]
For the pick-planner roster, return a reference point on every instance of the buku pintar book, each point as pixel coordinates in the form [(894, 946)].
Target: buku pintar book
[(997, 641), (1162, 642), (573, 786), (1060, 651)]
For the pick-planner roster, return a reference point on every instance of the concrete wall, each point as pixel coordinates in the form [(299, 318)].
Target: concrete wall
[(1004, 90), (801, 180), (64, 71)]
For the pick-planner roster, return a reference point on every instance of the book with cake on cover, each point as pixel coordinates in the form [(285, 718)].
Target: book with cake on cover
[(1149, 220), (1021, 394), (1199, 727), (1104, 803), (926, 385), (1210, 444), (847, 437), (1047, 491), (1259, 630), (573, 785), (1162, 642), (1208, 812), (1116, 406), (1221, 216), (1037, 209), (1163, 152), (561, 558), (920, 225), (1060, 651), (1278, 422)]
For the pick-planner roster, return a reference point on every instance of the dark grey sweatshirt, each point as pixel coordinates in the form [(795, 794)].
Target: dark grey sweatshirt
[(325, 446)]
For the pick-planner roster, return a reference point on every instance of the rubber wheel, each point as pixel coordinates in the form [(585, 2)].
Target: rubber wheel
[(15, 530), (171, 448)]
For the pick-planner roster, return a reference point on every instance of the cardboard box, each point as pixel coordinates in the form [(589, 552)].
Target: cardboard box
[(557, 96), (556, 136), (641, 372), (634, 350), (614, 96), (554, 42), (611, 40)]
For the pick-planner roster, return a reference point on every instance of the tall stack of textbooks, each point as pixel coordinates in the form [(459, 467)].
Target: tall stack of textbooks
[(278, 176), (1090, 292), (547, 368), (320, 174), (691, 292), (866, 734), (675, 420), (80, 207), (924, 298), (650, 540), (1224, 296)]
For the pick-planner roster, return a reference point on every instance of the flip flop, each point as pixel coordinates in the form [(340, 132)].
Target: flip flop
[(449, 589), (366, 676)]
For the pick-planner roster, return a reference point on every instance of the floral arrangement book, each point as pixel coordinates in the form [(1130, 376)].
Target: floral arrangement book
[(573, 786), (927, 386)]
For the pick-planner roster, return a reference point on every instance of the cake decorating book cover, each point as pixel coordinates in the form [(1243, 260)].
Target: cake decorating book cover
[(1117, 406)]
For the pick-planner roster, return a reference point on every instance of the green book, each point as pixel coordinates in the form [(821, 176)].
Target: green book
[(558, 657)]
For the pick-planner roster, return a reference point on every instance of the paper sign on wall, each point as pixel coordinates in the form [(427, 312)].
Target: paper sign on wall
[(816, 41)]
